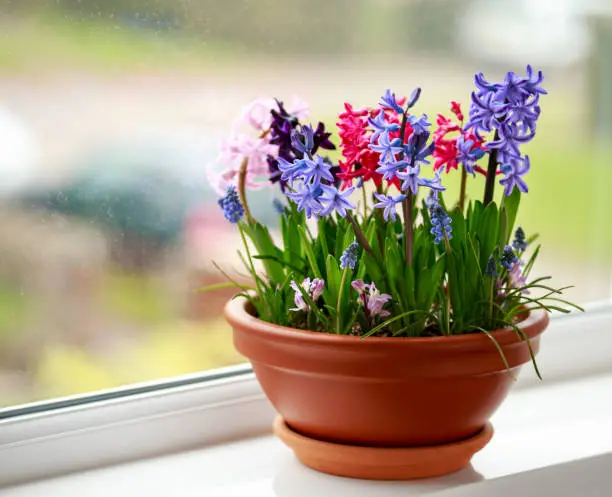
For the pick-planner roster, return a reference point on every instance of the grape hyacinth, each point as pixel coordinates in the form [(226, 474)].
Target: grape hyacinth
[(491, 269), (231, 205), (519, 243), (440, 221), (508, 258), (348, 259)]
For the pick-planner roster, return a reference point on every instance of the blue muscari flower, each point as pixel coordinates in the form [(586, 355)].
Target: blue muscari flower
[(491, 269), (231, 205), (419, 124), (349, 256), (380, 126), (386, 147), (316, 170), (307, 198), (303, 140), (466, 155), (333, 199), (513, 171), (440, 222), (389, 204), (519, 243), (388, 102), (278, 206), (508, 258)]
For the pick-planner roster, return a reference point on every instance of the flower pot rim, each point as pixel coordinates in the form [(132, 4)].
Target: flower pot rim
[(237, 315)]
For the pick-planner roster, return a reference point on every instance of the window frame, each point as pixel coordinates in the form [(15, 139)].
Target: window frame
[(47, 439)]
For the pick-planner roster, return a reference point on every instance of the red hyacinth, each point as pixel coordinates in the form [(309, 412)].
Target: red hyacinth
[(355, 132), (446, 152)]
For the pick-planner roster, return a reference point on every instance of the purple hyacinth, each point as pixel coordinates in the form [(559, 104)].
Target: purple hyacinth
[(389, 204), (348, 259), (511, 108), (231, 205), (303, 141), (467, 154), (513, 171)]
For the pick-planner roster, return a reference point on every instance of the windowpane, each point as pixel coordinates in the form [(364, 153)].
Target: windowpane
[(111, 113)]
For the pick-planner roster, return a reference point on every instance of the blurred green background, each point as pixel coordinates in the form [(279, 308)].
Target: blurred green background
[(111, 112)]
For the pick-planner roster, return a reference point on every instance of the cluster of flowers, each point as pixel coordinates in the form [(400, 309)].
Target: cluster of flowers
[(390, 147)]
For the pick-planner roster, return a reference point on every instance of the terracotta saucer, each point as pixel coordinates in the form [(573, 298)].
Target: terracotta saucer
[(382, 463)]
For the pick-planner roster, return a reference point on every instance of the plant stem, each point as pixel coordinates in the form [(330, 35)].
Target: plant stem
[(340, 291), (365, 203), (463, 186), (408, 233), (491, 173), (491, 301), (363, 240), (242, 188)]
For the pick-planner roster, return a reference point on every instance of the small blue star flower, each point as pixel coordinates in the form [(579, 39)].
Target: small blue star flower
[(348, 259), (410, 179), (316, 170), (334, 200), (386, 147), (380, 126), (307, 198), (467, 155), (419, 124), (291, 170), (513, 172), (389, 204), (388, 101), (389, 169)]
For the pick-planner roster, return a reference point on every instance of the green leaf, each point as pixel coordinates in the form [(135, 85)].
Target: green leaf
[(511, 205), (265, 246), (221, 286)]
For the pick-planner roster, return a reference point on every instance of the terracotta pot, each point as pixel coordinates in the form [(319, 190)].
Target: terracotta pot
[(382, 392)]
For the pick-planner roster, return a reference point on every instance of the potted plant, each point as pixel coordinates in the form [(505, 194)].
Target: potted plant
[(388, 322)]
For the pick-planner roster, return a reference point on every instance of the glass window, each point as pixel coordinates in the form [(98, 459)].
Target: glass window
[(111, 112)]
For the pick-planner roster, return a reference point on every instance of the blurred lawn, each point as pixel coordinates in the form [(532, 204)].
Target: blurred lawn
[(49, 41)]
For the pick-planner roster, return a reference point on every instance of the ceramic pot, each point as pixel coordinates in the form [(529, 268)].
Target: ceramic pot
[(382, 392)]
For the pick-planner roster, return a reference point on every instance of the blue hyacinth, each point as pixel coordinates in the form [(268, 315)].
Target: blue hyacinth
[(231, 205)]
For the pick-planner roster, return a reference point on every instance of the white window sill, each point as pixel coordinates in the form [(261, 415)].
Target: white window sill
[(567, 419)]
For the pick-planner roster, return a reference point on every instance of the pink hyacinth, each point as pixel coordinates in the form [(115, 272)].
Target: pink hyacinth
[(517, 278), (372, 300), (314, 290), (250, 142)]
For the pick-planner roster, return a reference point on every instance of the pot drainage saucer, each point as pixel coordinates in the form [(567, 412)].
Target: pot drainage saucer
[(382, 463)]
